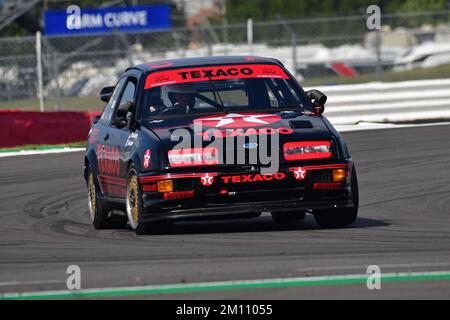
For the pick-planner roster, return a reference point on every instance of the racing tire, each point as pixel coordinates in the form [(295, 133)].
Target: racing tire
[(134, 209), (99, 210), (288, 217), (342, 217)]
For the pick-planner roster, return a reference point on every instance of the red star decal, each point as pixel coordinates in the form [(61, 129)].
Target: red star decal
[(300, 173), (147, 157), (207, 180)]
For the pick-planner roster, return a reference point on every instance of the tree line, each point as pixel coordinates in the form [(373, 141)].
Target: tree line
[(260, 10)]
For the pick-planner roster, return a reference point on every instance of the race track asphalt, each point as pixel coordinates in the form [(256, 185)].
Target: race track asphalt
[(404, 226)]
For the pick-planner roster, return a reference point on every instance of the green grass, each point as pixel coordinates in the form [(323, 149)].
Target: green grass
[(81, 144), (440, 72)]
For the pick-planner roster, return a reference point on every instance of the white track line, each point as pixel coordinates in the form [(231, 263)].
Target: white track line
[(26, 283), (39, 152)]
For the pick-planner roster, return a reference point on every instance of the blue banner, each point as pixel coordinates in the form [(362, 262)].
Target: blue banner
[(128, 19)]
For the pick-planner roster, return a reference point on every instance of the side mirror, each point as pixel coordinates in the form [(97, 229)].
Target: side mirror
[(106, 94), (121, 120), (319, 99)]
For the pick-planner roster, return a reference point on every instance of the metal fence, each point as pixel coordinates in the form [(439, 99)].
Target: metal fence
[(321, 49)]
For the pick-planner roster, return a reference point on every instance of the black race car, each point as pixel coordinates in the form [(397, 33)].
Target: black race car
[(216, 138)]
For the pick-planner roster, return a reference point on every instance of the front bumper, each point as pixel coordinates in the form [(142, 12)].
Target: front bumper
[(234, 194), (242, 208)]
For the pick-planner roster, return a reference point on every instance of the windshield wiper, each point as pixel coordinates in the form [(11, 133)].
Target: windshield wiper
[(217, 96)]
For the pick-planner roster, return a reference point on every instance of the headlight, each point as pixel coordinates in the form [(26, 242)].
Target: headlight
[(307, 150), (193, 157)]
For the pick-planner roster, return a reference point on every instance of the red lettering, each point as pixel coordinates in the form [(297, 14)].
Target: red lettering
[(226, 180), (267, 131), (280, 176), (237, 132), (285, 131), (257, 178), (108, 160), (241, 133), (252, 132), (253, 178), (236, 179)]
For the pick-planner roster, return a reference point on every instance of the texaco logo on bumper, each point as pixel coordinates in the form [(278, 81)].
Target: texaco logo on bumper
[(207, 180)]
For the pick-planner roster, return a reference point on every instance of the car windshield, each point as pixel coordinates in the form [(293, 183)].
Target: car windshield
[(230, 93)]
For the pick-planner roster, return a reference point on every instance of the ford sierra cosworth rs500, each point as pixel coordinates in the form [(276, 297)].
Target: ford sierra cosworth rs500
[(216, 138)]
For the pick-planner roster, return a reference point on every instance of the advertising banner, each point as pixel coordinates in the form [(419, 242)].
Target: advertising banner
[(75, 21)]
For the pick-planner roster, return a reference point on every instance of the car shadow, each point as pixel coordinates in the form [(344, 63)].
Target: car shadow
[(262, 224)]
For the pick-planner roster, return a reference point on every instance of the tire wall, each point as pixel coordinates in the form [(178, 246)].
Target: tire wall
[(19, 128)]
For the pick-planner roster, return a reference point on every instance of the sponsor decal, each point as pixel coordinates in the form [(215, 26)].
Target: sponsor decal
[(147, 158), (178, 195), (131, 140), (93, 135), (108, 160), (207, 180), (235, 120), (300, 173), (328, 186), (232, 133), (253, 178), (161, 78)]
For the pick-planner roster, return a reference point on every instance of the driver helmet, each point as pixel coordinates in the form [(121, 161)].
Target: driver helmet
[(179, 95)]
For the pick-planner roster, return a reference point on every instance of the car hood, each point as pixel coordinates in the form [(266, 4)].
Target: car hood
[(292, 126)]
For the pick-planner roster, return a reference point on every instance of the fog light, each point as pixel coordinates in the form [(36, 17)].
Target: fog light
[(339, 175), (165, 186)]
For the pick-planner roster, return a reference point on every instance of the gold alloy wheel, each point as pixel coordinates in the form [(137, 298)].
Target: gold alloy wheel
[(133, 201), (92, 198)]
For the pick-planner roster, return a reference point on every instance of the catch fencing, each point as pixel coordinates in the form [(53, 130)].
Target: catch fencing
[(322, 50)]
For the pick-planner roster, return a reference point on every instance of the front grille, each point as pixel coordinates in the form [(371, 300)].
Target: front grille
[(323, 176), (184, 185)]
